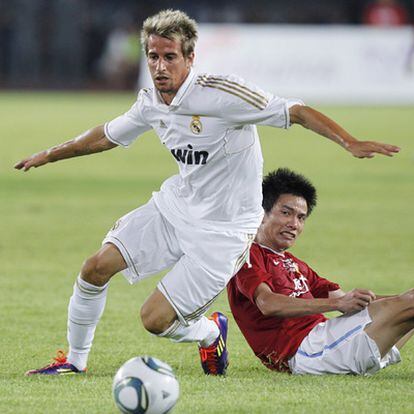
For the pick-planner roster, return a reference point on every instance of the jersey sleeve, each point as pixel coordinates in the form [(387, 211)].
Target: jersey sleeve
[(250, 277), (319, 286), (126, 128), (243, 103)]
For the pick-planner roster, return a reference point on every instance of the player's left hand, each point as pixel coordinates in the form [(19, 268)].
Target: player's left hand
[(34, 161), (368, 149)]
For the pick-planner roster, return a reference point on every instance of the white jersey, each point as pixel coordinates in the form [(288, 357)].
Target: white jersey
[(209, 128)]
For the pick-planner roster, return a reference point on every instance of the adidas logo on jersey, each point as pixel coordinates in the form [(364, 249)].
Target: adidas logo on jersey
[(162, 124), (190, 157)]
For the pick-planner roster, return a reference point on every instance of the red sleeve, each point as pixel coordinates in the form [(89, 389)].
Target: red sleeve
[(319, 286), (250, 276)]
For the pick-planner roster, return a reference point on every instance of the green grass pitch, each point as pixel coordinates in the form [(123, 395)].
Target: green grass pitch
[(52, 218)]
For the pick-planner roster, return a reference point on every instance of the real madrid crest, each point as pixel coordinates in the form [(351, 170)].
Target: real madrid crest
[(196, 126)]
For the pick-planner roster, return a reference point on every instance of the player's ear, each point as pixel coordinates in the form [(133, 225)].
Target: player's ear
[(190, 59), (265, 217)]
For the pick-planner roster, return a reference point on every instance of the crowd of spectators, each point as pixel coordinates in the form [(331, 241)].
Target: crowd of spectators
[(94, 43)]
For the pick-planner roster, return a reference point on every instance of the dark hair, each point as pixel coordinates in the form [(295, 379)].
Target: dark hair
[(285, 181)]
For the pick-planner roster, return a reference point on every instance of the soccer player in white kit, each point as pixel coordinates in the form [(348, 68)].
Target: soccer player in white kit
[(202, 221)]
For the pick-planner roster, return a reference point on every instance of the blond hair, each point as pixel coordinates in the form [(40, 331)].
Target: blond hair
[(173, 25)]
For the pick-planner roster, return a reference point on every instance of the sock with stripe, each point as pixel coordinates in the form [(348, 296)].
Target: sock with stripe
[(204, 331), (86, 307)]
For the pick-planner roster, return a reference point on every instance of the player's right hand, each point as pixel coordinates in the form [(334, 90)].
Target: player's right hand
[(36, 160), (355, 300), (368, 149)]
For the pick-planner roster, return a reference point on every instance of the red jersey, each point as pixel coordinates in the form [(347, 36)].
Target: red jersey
[(385, 15), (273, 339)]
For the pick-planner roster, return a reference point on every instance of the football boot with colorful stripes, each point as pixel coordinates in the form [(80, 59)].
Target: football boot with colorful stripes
[(60, 366), (214, 358)]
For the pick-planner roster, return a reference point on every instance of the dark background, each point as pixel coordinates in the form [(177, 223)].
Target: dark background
[(62, 43)]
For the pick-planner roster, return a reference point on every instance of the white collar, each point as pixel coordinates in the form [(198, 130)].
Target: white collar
[(273, 251), (180, 93)]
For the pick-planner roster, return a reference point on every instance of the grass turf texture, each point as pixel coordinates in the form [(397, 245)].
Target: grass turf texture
[(54, 217)]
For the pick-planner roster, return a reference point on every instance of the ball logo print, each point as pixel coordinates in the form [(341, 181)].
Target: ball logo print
[(131, 396), (145, 385)]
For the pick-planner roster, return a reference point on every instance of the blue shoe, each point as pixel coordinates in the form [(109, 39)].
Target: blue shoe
[(60, 367), (215, 358)]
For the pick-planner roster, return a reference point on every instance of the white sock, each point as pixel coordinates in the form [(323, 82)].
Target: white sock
[(204, 331), (85, 309)]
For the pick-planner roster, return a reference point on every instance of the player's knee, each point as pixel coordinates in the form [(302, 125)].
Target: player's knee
[(410, 293), (407, 303), (408, 297), (153, 322), (95, 271)]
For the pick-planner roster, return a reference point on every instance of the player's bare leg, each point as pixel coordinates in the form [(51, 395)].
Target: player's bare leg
[(85, 310), (392, 319), (100, 267), (404, 339), (157, 314), (159, 317)]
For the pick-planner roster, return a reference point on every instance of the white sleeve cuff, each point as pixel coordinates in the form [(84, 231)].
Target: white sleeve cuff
[(110, 138), (289, 104)]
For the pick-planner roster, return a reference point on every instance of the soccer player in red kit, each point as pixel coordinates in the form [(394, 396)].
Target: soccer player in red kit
[(278, 301)]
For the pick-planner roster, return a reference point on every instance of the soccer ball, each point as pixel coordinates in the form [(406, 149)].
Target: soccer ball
[(145, 385)]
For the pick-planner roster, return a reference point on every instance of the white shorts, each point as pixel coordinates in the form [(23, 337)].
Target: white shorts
[(202, 261), (341, 346)]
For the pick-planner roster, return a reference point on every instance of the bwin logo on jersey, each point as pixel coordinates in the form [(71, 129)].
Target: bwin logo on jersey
[(190, 157)]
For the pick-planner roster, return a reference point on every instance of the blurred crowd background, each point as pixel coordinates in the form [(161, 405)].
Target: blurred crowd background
[(94, 44)]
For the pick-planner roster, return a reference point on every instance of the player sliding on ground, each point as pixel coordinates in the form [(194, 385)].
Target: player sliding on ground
[(202, 221), (277, 300)]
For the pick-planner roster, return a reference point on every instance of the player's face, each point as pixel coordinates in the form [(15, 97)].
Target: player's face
[(284, 223), (167, 65)]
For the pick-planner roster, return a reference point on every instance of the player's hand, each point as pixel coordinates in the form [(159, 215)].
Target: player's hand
[(355, 300), (36, 160), (368, 149)]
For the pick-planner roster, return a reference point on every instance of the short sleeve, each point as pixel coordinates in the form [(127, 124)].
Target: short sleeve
[(319, 286), (250, 277), (126, 128), (244, 103)]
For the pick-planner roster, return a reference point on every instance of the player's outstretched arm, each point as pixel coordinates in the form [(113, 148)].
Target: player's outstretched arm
[(274, 304), (90, 142), (322, 125)]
